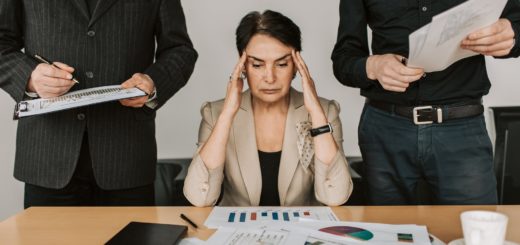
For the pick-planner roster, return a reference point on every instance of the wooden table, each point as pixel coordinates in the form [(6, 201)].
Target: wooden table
[(96, 225)]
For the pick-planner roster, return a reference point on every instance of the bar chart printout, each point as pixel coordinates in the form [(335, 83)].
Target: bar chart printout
[(260, 216)]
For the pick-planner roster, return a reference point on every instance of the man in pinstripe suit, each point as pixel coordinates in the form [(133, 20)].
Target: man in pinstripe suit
[(103, 154)]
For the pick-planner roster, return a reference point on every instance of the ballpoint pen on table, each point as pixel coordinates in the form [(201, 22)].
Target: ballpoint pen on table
[(189, 221)]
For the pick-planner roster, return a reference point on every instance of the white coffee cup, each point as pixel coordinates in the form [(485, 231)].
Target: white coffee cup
[(483, 227)]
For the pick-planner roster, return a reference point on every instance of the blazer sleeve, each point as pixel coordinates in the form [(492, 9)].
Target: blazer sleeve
[(333, 183), (15, 66), (202, 186), (175, 56)]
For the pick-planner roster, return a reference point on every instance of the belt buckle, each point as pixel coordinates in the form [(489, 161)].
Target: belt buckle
[(416, 115)]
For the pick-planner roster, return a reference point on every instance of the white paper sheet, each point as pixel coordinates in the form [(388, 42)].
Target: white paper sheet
[(265, 216), (239, 236), (441, 47), (364, 233)]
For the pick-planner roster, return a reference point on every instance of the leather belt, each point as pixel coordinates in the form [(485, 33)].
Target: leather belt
[(428, 114)]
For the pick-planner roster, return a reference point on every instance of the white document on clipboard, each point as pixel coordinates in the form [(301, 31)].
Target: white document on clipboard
[(436, 46), (75, 99)]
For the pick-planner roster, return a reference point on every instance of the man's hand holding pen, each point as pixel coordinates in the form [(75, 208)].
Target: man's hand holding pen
[(51, 80), (143, 82)]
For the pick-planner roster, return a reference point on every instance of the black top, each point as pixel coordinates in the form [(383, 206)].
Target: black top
[(269, 166), (392, 21)]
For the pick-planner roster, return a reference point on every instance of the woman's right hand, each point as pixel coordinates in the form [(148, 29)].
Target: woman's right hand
[(234, 88)]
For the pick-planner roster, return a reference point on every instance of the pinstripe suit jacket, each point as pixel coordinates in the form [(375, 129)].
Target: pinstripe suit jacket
[(120, 38)]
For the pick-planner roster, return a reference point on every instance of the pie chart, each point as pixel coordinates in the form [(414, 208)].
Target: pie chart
[(349, 231)]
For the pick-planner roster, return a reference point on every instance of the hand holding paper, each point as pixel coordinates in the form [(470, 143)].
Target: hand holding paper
[(457, 34), (142, 82), (495, 40)]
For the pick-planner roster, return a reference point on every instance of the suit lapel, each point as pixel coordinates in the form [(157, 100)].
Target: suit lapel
[(82, 7), (101, 8), (289, 159), (247, 150)]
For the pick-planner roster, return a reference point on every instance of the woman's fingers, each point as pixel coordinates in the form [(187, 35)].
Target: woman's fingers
[(304, 65), (239, 67)]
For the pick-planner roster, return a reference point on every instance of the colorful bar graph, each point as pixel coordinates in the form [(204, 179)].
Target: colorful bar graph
[(275, 216), (254, 216), (231, 218)]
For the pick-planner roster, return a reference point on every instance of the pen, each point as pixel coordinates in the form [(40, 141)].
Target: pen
[(40, 58), (189, 221)]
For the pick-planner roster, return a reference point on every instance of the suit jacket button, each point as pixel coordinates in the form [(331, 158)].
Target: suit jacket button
[(81, 116), (91, 33), (89, 74)]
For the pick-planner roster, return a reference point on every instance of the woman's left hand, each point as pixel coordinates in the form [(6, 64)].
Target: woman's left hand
[(310, 97)]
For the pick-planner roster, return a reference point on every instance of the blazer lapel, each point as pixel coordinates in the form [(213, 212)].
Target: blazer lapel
[(82, 7), (289, 159), (101, 8), (247, 150)]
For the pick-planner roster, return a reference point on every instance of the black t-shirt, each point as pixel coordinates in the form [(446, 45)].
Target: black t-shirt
[(269, 166)]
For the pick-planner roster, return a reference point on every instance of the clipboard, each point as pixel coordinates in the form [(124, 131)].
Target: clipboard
[(75, 99)]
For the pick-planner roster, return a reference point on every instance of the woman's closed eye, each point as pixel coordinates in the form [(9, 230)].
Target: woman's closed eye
[(257, 65), (285, 64)]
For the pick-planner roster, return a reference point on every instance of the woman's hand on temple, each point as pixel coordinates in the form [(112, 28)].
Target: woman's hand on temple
[(234, 88), (310, 96)]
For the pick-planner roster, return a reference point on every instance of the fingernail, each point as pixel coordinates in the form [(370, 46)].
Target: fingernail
[(69, 76)]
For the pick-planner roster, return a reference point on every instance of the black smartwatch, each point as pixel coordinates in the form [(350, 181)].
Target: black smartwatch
[(321, 130)]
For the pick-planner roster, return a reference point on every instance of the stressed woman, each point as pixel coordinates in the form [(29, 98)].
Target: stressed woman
[(270, 145)]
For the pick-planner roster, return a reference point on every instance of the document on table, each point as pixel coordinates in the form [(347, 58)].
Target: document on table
[(333, 233), (264, 216), (238, 236), (436, 46), (361, 232), (75, 99)]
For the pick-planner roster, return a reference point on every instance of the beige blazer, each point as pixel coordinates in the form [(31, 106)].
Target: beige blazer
[(240, 177)]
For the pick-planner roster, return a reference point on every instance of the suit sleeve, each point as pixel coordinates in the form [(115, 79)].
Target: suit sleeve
[(333, 183), (15, 66), (175, 56), (512, 13), (202, 186)]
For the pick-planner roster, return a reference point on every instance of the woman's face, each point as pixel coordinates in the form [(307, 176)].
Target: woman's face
[(269, 68)]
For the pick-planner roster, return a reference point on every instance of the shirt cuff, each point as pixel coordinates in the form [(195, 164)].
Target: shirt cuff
[(360, 69), (152, 101), (32, 95)]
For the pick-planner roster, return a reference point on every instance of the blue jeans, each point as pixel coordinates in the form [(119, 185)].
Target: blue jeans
[(455, 159)]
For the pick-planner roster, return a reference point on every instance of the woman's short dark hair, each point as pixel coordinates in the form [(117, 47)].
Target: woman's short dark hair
[(270, 23)]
